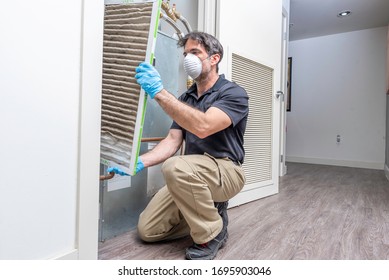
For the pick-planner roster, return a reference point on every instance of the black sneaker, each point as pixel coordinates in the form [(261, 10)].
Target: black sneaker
[(207, 251)]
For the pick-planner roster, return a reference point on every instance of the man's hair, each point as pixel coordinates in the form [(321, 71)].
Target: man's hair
[(209, 42)]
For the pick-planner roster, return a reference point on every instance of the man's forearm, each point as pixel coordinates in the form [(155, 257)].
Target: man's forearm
[(165, 149), (187, 117)]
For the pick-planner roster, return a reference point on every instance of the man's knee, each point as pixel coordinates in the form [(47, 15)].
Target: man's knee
[(175, 167), (142, 232), (168, 166)]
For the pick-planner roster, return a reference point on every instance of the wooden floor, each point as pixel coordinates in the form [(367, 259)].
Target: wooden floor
[(321, 212)]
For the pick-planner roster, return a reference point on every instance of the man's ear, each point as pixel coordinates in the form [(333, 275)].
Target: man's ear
[(215, 58)]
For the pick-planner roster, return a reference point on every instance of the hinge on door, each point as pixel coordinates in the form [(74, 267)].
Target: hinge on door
[(281, 158)]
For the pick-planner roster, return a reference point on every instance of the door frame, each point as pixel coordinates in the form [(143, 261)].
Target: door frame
[(283, 88), (89, 129)]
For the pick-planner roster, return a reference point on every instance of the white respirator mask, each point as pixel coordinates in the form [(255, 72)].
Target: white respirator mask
[(192, 65)]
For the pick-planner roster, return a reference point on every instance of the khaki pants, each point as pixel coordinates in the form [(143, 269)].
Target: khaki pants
[(186, 204)]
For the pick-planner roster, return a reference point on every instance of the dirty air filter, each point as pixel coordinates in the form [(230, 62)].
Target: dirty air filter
[(129, 35)]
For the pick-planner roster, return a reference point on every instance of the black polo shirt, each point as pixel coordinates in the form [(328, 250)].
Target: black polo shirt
[(231, 99)]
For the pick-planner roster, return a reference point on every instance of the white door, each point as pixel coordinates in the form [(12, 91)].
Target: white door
[(252, 39)]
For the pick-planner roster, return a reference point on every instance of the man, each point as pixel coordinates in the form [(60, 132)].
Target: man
[(210, 118)]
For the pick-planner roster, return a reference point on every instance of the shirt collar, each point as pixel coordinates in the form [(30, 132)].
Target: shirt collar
[(219, 83)]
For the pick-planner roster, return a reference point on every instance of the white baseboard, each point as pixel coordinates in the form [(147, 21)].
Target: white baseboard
[(336, 162), (72, 255), (246, 196), (387, 172)]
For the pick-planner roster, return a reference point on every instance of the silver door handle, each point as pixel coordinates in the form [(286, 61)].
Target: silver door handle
[(279, 95)]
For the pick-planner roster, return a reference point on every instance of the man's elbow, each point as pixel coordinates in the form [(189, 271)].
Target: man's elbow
[(202, 132), (202, 135)]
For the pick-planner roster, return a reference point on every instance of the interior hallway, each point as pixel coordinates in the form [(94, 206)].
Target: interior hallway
[(321, 212)]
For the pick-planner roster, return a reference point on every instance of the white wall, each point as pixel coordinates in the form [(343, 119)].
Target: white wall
[(254, 31), (286, 5), (40, 74), (338, 87)]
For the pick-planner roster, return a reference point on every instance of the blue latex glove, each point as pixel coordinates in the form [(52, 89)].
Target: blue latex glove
[(117, 170), (139, 167), (149, 79)]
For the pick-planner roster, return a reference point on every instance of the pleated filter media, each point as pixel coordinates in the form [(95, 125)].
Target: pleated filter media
[(127, 41)]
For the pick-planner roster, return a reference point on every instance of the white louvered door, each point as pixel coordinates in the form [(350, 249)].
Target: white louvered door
[(258, 80), (252, 43)]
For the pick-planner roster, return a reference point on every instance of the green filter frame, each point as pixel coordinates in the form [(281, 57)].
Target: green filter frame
[(143, 96)]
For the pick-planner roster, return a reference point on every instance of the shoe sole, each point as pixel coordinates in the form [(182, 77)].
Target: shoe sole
[(210, 257)]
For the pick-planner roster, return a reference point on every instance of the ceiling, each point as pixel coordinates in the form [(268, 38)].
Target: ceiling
[(313, 18)]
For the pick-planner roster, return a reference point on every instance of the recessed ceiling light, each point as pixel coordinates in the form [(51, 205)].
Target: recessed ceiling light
[(344, 14)]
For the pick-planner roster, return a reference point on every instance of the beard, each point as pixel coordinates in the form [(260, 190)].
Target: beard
[(204, 75)]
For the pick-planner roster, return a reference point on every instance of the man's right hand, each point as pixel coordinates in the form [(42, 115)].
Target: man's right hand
[(139, 167), (117, 170)]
